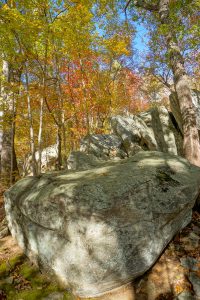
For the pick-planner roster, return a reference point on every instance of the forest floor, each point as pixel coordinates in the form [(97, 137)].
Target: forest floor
[(176, 274)]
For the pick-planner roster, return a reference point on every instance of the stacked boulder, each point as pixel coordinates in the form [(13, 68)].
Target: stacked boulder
[(103, 146), (49, 157), (154, 130)]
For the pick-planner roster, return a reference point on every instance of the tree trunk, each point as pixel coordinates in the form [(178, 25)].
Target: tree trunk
[(40, 136), (8, 167), (191, 146), (1, 133), (61, 137), (59, 146), (31, 130), (64, 141), (87, 117)]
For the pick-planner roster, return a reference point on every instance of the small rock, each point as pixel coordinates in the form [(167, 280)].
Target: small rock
[(4, 232), (17, 281), (54, 296), (196, 229), (179, 248), (190, 242), (194, 236), (2, 295), (81, 161), (195, 281), (8, 280), (189, 263), (185, 296)]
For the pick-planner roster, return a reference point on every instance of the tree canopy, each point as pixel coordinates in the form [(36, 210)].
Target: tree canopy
[(67, 66)]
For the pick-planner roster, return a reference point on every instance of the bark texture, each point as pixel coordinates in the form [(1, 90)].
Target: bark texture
[(8, 167), (191, 146), (31, 129)]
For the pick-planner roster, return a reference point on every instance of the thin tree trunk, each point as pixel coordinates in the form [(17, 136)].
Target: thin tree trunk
[(31, 130), (59, 145), (8, 167), (12, 140), (1, 122), (64, 140), (40, 136), (85, 98), (42, 108), (191, 146), (61, 136)]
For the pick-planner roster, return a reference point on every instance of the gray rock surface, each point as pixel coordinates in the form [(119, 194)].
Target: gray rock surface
[(48, 160), (133, 132), (55, 296), (195, 281), (78, 160), (185, 296), (160, 124), (4, 231), (189, 263), (105, 146), (96, 230), (151, 130), (192, 241)]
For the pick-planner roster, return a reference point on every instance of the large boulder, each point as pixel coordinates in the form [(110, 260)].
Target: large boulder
[(78, 160), (49, 157), (151, 130), (133, 132), (176, 110), (104, 146), (164, 128), (96, 230)]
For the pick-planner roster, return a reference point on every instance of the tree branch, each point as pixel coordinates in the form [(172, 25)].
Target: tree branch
[(143, 4)]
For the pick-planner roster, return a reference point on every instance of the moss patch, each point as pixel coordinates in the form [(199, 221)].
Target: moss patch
[(8, 266), (20, 280)]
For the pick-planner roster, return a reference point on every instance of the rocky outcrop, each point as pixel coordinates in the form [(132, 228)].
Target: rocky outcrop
[(176, 110), (164, 129), (48, 160), (78, 160), (96, 230), (104, 146), (155, 129), (152, 130), (133, 133)]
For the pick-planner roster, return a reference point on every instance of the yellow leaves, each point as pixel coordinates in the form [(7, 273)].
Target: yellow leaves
[(118, 45), (178, 289), (17, 22), (5, 7), (74, 28)]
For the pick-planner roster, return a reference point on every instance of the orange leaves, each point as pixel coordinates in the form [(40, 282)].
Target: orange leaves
[(93, 91)]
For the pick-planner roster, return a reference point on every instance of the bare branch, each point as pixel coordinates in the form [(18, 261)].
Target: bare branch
[(62, 11), (143, 4)]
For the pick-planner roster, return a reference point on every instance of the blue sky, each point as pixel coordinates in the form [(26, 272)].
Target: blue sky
[(141, 39)]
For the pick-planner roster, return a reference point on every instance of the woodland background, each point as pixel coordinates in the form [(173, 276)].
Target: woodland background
[(67, 66)]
